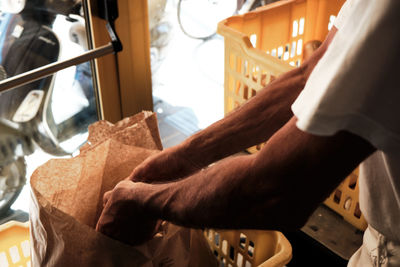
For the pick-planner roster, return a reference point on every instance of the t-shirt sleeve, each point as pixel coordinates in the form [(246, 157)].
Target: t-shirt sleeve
[(343, 14), (356, 85)]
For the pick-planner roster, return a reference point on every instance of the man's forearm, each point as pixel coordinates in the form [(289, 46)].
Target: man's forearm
[(222, 196), (277, 188), (237, 192), (255, 121), (250, 124), (232, 194)]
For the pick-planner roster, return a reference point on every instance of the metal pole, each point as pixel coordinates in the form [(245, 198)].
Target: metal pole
[(51, 68)]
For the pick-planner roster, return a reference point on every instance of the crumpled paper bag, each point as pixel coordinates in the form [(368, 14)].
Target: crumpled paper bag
[(67, 202)]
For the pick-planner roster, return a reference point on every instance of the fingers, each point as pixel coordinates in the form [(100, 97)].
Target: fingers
[(100, 222), (98, 225), (126, 223), (136, 174), (133, 177), (106, 197)]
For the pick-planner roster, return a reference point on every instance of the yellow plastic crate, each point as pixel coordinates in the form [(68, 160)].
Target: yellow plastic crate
[(344, 200), (261, 45), (14, 244), (249, 248)]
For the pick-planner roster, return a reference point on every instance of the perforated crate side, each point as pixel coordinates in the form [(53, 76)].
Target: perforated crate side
[(344, 200), (14, 244), (249, 247), (263, 44)]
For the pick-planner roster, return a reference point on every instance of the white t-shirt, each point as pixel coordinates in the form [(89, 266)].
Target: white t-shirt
[(356, 87)]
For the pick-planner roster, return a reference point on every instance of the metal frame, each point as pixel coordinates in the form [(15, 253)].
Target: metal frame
[(124, 80), (47, 70)]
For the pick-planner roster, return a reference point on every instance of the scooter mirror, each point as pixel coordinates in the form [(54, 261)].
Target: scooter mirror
[(12, 6)]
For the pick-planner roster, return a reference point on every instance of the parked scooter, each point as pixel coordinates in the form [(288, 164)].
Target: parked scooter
[(27, 41)]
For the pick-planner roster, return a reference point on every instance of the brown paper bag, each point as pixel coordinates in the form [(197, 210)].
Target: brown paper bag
[(139, 130), (67, 202)]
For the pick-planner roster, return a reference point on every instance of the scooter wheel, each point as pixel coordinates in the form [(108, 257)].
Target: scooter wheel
[(12, 180)]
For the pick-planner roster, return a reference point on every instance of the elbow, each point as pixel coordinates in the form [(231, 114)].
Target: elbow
[(291, 221), (293, 214), (284, 214)]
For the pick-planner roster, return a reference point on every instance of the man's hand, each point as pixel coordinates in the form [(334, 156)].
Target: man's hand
[(123, 218), (170, 164)]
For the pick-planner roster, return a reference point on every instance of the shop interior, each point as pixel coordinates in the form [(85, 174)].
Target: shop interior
[(187, 94)]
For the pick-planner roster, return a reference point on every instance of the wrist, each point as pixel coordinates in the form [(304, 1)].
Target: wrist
[(188, 155), (152, 198), (196, 150)]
